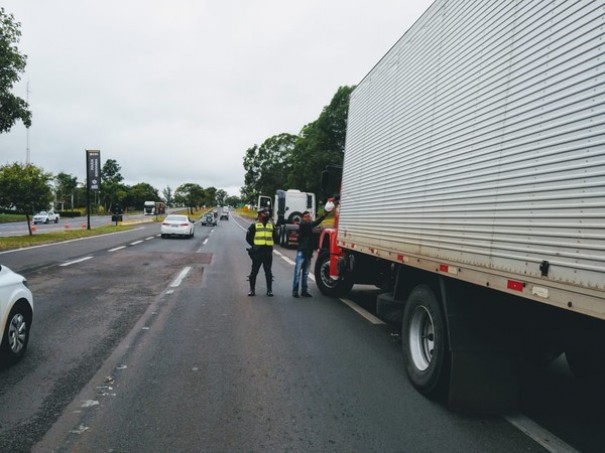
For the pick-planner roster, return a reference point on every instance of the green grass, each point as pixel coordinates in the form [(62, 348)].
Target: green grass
[(6, 218), (17, 242)]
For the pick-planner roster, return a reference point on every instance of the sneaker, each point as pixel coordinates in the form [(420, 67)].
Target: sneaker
[(270, 293), (294, 294), (305, 294), (251, 293)]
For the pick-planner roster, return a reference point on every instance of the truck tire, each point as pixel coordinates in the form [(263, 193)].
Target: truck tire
[(327, 285), (424, 342), (295, 217)]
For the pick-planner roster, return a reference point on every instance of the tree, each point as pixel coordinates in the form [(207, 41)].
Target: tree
[(138, 194), (112, 189), (209, 196), (190, 195), (65, 186), (12, 64), (322, 142), (267, 166), (232, 200), (221, 196), (25, 188), (167, 192)]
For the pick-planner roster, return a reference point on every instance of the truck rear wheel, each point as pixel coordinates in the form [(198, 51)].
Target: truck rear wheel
[(295, 217), (326, 284), (424, 342)]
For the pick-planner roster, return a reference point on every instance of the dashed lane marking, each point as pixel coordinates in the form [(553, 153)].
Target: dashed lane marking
[(69, 263), (177, 281)]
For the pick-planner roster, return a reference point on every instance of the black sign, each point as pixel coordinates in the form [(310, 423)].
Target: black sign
[(93, 169)]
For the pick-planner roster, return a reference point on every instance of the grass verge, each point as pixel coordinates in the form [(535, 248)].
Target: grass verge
[(17, 242)]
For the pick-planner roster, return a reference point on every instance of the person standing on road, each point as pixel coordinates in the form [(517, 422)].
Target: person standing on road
[(304, 253), (261, 235)]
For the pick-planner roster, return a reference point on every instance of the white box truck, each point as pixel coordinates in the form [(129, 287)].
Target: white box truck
[(286, 212), (473, 194)]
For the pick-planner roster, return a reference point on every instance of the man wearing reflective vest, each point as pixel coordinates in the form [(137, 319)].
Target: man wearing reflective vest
[(261, 235)]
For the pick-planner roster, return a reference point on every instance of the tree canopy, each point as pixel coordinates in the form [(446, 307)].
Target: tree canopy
[(25, 188), (287, 161), (267, 166), (112, 189), (12, 64), (65, 186)]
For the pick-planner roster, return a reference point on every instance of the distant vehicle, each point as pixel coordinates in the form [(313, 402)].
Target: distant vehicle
[(16, 314), (154, 208), (225, 214), (208, 219), (46, 217), (286, 212), (177, 225)]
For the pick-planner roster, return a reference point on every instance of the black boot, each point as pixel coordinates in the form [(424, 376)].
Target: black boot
[(252, 281), (269, 285)]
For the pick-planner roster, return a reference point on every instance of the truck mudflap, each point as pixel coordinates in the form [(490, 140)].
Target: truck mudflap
[(484, 350), (459, 346)]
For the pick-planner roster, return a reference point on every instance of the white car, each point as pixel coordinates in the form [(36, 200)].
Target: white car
[(177, 225), (16, 314), (46, 217)]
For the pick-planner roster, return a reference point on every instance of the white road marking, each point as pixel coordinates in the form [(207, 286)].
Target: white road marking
[(284, 257), (117, 248), (136, 242), (52, 244), (69, 263), (177, 281), (205, 241), (545, 438), (365, 314), (150, 238)]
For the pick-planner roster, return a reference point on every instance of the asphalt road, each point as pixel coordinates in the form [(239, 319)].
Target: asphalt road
[(148, 344)]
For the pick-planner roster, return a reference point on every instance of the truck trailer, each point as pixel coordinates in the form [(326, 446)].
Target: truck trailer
[(286, 212), (473, 194)]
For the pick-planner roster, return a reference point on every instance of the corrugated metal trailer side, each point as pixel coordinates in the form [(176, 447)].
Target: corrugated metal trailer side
[(476, 147)]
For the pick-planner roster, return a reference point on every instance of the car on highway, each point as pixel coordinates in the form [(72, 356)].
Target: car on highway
[(208, 219), (46, 217), (225, 214), (177, 225), (16, 314)]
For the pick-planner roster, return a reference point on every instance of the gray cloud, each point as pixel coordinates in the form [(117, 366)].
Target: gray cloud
[(177, 91)]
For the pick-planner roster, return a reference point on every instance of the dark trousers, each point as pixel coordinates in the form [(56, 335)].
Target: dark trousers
[(263, 256)]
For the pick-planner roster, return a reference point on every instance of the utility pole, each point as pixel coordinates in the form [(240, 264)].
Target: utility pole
[(27, 156)]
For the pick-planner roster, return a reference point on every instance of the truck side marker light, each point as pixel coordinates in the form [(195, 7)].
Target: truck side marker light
[(515, 285), (448, 269), (540, 292)]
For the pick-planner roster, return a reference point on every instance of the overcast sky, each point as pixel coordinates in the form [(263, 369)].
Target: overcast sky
[(176, 91)]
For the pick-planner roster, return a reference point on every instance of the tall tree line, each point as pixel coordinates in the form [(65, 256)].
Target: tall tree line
[(287, 161)]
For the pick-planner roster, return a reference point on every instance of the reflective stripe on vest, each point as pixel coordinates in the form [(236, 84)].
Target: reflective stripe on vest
[(264, 234)]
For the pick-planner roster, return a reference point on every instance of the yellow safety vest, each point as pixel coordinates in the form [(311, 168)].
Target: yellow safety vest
[(264, 234)]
